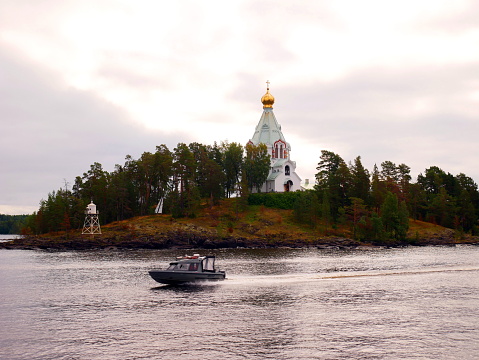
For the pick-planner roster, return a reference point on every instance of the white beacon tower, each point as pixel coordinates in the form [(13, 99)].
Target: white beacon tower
[(92, 224)]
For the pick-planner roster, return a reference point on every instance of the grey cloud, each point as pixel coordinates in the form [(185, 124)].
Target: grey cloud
[(247, 91), (371, 113), (464, 20), (134, 70), (50, 132), (275, 17)]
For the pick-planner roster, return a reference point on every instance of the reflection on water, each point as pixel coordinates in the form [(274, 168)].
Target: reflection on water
[(185, 288), (275, 304)]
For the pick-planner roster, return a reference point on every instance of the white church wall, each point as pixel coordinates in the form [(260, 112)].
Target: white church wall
[(268, 131)]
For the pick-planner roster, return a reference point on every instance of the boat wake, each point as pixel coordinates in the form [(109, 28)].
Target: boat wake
[(296, 278)]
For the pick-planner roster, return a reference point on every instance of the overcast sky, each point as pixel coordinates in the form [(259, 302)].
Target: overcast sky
[(95, 80)]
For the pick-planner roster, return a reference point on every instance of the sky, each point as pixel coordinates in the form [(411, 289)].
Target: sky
[(96, 80)]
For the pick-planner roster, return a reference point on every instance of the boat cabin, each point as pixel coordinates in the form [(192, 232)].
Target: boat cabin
[(193, 263), (189, 269)]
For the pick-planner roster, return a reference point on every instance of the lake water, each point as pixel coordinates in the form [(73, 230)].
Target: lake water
[(411, 303), (8, 237)]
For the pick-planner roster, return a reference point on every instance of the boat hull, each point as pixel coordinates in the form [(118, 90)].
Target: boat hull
[(180, 277)]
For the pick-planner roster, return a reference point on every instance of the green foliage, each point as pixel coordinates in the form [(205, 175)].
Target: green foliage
[(356, 212), (306, 208), (256, 165), (209, 176), (12, 224), (375, 204), (390, 197), (378, 189), (377, 235), (61, 211), (394, 217), (447, 200), (284, 200), (179, 180), (403, 216), (360, 183), (184, 204), (334, 178), (232, 164), (185, 197), (325, 210)]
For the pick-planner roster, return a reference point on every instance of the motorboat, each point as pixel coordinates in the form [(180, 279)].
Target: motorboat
[(189, 269)]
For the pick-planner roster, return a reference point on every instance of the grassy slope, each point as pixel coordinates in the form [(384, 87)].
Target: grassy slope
[(224, 226), (263, 226)]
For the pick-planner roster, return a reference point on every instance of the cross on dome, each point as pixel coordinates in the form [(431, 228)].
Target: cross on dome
[(267, 99)]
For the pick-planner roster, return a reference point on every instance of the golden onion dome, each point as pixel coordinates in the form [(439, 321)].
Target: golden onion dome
[(267, 99)]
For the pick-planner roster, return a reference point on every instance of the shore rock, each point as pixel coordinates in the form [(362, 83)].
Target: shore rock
[(193, 237)]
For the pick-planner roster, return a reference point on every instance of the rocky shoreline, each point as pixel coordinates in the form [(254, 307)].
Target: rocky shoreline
[(198, 240)]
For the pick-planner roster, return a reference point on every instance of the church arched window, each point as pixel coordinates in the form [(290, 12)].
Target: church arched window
[(286, 170), (280, 150)]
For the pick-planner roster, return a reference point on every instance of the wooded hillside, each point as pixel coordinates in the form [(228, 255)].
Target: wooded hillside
[(375, 205)]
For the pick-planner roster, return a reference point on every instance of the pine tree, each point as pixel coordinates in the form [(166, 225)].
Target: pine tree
[(360, 183), (257, 164), (232, 164), (334, 178), (377, 190), (394, 217)]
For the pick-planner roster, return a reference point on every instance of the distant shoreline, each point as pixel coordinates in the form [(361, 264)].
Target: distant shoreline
[(9, 237)]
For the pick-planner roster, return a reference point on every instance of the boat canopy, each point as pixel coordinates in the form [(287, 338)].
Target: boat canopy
[(209, 263)]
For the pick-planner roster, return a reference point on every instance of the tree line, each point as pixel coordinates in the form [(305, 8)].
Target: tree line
[(376, 204), (11, 224), (176, 181)]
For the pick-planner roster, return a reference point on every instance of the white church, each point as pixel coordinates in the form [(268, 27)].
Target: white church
[(282, 175)]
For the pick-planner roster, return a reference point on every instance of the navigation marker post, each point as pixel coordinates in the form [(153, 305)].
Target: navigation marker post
[(92, 223)]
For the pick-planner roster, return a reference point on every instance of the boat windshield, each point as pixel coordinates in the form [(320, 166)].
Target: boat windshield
[(184, 266), (209, 264)]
